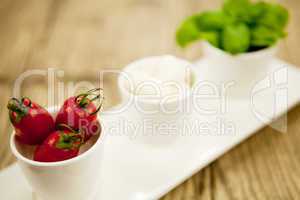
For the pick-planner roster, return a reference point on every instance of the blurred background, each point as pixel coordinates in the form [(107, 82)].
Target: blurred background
[(82, 37)]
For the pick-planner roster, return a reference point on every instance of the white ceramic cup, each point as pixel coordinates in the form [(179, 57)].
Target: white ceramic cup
[(74, 179), (160, 120), (245, 69)]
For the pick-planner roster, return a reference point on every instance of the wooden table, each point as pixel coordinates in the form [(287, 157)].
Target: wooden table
[(81, 37)]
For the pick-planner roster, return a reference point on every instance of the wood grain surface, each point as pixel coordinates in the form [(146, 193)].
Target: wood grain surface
[(81, 37)]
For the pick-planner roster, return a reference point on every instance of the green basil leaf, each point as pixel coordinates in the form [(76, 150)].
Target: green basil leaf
[(213, 20), (238, 9), (262, 36), (236, 38), (256, 11), (275, 17), (188, 32)]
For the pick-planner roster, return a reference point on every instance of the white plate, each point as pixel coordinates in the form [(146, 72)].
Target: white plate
[(135, 171)]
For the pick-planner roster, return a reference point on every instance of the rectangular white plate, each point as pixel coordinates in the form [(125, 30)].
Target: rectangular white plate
[(134, 171)]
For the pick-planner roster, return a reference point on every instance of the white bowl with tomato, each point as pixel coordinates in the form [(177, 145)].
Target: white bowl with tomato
[(59, 152)]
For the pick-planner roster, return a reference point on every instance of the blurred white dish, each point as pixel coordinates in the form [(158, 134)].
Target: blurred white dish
[(156, 92), (133, 171)]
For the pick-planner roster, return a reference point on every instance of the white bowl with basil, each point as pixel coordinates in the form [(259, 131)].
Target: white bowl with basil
[(239, 40)]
